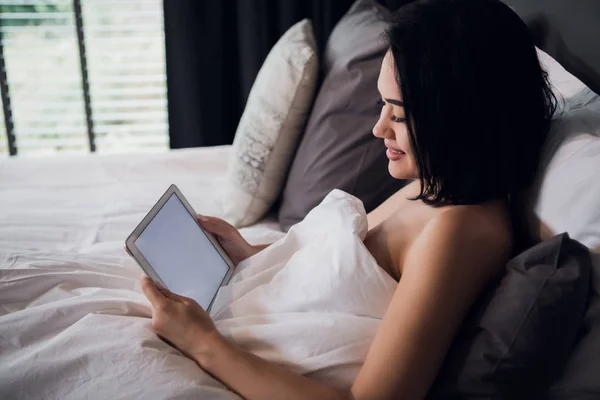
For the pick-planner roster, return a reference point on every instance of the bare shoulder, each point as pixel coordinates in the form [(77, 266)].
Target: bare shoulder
[(480, 233), (490, 221)]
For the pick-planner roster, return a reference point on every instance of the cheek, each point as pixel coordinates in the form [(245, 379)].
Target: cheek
[(402, 139), (407, 168)]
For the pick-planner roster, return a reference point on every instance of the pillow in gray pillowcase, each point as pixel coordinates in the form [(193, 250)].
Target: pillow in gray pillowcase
[(518, 336), (338, 149), (580, 379)]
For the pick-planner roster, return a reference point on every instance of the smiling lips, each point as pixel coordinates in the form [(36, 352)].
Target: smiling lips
[(394, 154)]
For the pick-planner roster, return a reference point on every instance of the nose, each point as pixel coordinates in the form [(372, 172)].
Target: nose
[(382, 130)]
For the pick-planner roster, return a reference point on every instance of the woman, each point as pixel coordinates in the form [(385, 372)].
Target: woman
[(465, 110)]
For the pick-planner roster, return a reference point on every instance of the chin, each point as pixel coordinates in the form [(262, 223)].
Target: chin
[(401, 172)]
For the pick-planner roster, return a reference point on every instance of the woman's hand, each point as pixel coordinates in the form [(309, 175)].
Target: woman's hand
[(229, 237), (180, 321)]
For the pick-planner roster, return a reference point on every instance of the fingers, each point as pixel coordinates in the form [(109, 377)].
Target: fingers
[(152, 293), (149, 286), (216, 225), (174, 296)]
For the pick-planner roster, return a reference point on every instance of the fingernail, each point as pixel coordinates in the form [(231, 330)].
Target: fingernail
[(202, 218)]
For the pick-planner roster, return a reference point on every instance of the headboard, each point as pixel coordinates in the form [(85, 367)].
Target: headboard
[(569, 31)]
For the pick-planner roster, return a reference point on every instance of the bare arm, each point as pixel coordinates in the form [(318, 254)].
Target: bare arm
[(444, 271), (254, 378)]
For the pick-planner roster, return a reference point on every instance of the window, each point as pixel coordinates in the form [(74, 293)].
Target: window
[(83, 75)]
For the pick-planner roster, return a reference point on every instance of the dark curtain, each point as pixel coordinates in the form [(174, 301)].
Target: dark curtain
[(214, 50)]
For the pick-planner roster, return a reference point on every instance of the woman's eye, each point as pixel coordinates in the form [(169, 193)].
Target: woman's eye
[(397, 119), (382, 104)]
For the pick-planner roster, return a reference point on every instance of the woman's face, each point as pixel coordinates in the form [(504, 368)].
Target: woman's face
[(391, 126)]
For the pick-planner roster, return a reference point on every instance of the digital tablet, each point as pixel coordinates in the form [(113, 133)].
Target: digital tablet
[(173, 249)]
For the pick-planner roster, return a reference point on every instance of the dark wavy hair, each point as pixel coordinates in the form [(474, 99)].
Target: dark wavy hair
[(477, 101)]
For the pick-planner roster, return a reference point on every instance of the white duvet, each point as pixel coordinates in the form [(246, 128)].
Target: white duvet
[(76, 326)]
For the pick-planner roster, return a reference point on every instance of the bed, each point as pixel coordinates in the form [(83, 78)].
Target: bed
[(73, 320), (89, 204)]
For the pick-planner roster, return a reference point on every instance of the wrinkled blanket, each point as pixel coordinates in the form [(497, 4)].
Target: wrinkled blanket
[(76, 326)]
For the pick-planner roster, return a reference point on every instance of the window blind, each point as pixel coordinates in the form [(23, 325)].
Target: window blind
[(83, 75)]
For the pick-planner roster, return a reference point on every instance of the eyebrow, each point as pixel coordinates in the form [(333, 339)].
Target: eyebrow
[(395, 102)]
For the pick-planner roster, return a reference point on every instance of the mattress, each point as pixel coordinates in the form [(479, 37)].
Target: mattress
[(89, 204)]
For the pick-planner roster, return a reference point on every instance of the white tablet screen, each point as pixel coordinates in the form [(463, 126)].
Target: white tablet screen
[(181, 254)]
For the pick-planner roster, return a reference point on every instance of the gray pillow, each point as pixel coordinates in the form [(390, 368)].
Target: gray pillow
[(580, 379), (518, 336), (338, 150)]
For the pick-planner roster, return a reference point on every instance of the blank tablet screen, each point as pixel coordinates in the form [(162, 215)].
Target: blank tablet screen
[(181, 254)]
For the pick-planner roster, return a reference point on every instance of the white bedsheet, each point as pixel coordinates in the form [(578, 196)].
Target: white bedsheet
[(75, 325), (90, 204)]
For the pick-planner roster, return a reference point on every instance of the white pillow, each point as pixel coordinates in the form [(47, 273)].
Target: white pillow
[(565, 83), (270, 126), (567, 194)]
